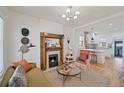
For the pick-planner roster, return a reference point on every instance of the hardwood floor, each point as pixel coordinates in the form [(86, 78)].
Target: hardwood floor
[(110, 69)]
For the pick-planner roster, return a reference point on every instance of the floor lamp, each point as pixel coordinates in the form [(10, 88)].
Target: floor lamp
[(24, 49)]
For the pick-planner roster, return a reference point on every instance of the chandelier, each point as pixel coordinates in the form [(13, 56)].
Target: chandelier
[(69, 15)]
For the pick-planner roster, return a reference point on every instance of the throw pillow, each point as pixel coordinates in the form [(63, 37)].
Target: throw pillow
[(83, 55), (81, 59), (18, 78), (14, 65), (25, 65)]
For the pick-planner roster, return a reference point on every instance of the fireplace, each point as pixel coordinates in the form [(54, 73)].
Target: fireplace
[(53, 60)]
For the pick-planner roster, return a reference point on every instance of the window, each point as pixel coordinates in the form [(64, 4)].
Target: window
[(1, 46), (81, 38)]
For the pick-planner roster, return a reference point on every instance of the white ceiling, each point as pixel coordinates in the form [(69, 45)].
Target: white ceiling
[(107, 26), (53, 13)]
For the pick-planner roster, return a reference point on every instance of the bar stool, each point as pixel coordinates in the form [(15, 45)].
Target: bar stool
[(93, 57)]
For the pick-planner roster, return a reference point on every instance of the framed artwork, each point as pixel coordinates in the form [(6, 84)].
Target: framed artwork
[(25, 32)]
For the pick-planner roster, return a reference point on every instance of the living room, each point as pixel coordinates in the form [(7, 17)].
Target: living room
[(46, 27)]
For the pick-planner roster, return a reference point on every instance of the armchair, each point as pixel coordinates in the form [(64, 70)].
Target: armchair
[(83, 60)]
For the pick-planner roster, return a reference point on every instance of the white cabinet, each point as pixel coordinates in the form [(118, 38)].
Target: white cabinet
[(100, 56)]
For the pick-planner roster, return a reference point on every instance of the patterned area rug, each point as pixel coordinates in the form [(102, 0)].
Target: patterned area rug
[(88, 79)]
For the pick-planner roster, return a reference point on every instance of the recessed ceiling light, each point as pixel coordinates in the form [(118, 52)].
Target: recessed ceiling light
[(110, 24)]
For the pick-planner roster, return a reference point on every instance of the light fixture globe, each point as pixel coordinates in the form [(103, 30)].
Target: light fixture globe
[(75, 17), (63, 16), (67, 18), (77, 13), (68, 10)]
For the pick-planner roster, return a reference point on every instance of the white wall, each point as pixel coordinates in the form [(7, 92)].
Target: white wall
[(1, 45), (4, 14), (68, 33), (16, 22)]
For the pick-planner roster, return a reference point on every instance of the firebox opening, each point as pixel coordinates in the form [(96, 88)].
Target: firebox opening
[(53, 60)]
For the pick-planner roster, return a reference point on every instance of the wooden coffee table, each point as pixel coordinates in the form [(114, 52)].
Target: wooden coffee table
[(71, 71)]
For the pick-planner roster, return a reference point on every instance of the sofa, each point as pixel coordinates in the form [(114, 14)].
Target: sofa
[(35, 77)]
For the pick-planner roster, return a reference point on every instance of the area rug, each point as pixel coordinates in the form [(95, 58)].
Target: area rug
[(88, 79)]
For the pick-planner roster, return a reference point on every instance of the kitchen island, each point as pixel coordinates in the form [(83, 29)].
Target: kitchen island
[(101, 54)]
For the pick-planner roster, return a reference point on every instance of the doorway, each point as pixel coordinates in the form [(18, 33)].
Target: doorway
[(118, 49)]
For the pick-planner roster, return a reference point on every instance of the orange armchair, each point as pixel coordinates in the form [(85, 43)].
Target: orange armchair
[(83, 60)]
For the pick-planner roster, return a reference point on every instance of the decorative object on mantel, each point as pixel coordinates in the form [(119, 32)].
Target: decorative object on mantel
[(70, 14), (25, 41), (52, 42)]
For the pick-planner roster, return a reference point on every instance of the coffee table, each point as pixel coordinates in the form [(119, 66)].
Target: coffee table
[(71, 71)]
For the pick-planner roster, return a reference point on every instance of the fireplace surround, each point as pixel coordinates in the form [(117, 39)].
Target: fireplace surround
[(45, 49)]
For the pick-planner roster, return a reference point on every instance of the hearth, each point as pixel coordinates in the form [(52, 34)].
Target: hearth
[(53, 60)]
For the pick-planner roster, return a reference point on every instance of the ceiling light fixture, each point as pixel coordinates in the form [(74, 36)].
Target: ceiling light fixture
[(69, 15)]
